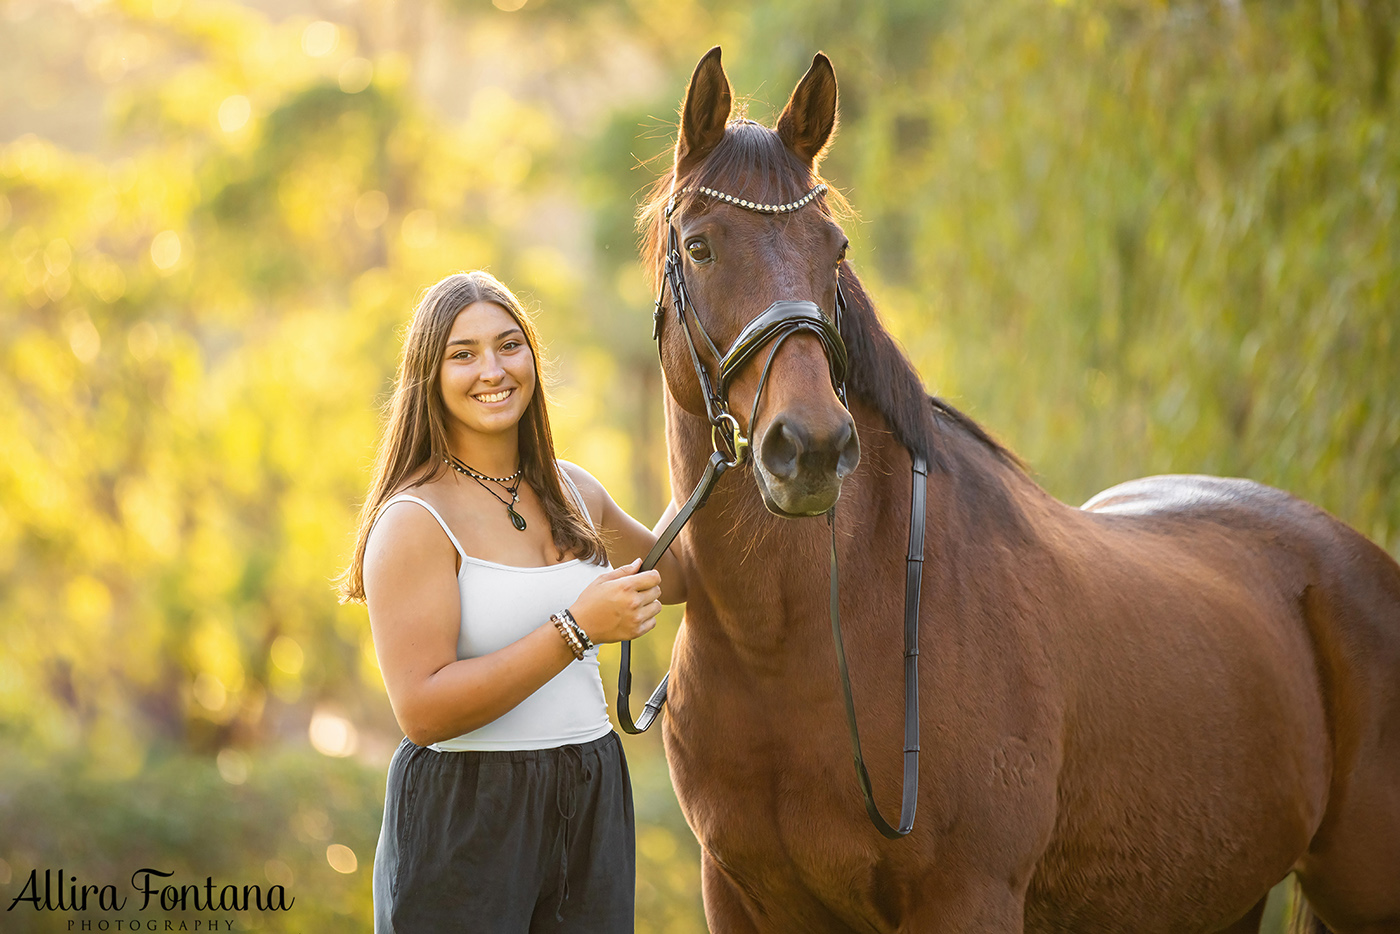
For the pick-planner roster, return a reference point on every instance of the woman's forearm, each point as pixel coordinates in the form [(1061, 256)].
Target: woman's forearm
[(469, 693)]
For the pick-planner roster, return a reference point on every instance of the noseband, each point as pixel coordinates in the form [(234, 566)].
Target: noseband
[(780, 321)]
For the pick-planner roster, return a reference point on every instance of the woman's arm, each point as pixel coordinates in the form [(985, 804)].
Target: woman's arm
[(627, 538), (415, 614)]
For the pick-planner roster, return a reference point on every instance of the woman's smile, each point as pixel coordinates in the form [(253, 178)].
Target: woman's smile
[(494, 396)]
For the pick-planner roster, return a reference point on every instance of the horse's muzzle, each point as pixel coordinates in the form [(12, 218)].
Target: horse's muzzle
[(799, 468)]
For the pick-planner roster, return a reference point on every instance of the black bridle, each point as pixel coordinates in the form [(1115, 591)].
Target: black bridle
[(780, 321)]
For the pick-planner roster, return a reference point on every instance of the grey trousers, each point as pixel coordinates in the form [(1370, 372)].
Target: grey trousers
[(517, 842)]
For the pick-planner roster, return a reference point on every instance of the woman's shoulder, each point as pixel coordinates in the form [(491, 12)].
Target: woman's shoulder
[(403, 520), (577, 474), (595, 496), (406, 548), (581, 476)]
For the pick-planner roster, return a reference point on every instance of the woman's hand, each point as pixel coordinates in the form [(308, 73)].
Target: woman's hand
[(620, 604)]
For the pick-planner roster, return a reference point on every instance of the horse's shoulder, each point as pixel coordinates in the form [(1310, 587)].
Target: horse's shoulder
[(1192, 495)]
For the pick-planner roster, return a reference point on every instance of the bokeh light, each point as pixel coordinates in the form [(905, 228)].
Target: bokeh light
[(166, 250), (320, 38), (332, 735), (342, 858), (234, 112)]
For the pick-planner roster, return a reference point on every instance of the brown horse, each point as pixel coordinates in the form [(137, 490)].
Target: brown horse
[(1137, 716)]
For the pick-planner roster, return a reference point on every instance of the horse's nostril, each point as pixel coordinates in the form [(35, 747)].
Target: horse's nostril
[(782, 446), (848, 446)]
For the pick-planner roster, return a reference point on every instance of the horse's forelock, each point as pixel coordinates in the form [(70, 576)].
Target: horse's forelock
[(750, 162)]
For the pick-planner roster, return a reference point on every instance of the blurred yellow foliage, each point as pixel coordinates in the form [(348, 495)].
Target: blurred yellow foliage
[(1130, 236)]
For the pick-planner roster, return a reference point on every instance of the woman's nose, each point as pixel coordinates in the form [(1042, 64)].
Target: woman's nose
[(491, 369)]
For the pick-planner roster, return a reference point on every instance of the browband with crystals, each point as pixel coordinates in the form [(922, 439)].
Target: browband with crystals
[(746, 204)]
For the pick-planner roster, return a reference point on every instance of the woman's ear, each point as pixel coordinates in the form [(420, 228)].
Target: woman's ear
[(809, 118), (704, 113)]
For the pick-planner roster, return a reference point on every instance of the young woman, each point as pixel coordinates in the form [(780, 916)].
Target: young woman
[(484, 563)]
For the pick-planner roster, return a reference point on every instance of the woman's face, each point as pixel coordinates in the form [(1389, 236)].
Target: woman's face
[(488, 371)]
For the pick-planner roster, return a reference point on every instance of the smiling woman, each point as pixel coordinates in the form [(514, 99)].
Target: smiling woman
[(485, 565)]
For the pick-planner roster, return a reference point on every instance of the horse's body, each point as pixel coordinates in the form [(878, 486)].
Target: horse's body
[(1136, 717)]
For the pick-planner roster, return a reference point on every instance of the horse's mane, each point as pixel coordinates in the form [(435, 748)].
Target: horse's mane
[(751, 162), (881, 376)]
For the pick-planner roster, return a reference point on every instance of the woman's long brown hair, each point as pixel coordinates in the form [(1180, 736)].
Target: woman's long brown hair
[(416, 433)]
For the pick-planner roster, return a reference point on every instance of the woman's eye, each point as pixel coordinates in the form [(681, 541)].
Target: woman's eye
[(699, 250)]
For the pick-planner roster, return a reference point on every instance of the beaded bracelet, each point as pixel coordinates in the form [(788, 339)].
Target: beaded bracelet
[(571, 640), (578, 630)]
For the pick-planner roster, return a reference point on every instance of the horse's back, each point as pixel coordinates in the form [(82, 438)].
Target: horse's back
[(1347, 587), (1195, 496), (1347, 591)]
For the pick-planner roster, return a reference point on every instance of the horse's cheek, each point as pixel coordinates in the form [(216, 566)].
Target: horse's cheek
[(681, 383)]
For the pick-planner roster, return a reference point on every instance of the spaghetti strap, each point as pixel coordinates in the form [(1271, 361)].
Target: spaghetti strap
[(578, 497), (409, 498)]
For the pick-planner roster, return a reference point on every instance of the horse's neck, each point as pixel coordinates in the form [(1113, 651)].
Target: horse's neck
[(980, 515)]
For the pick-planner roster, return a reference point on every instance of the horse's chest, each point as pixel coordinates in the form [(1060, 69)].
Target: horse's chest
[(794, 865), (768, 807)]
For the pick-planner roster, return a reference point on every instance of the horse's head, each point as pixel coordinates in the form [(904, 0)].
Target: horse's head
[(751, 340)]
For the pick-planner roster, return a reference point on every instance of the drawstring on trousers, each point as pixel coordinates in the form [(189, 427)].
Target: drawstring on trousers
[(566, 801)]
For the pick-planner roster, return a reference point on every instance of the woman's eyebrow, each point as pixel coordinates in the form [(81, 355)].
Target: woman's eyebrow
[(473, 341)]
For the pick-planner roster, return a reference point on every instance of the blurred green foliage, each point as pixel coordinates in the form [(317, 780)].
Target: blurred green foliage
[(1131, 237), (274, 825)]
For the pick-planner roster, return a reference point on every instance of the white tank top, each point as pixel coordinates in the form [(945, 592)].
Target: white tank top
[(502, 603)]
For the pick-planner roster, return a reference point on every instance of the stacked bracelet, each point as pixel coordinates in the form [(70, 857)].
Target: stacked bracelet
[(578, 630), (571, 638)]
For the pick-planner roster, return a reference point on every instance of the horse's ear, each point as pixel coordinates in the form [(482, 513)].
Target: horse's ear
[(810, 115), (705, 112)]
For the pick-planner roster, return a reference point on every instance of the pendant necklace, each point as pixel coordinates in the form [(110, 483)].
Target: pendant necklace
[(511, 483)]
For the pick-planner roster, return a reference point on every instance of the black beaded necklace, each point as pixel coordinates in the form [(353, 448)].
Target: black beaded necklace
[(511, 483)]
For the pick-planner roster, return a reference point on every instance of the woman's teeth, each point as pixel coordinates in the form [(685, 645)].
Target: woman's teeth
[(493, 396)]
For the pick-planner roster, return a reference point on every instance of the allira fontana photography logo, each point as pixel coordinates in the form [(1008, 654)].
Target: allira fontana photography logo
[(56, 890)]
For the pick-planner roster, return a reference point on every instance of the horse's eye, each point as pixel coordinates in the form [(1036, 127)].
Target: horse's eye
[(699, 250), (842, 255)]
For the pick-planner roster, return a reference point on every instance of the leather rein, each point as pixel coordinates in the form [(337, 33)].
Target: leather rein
[(779, 322)]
